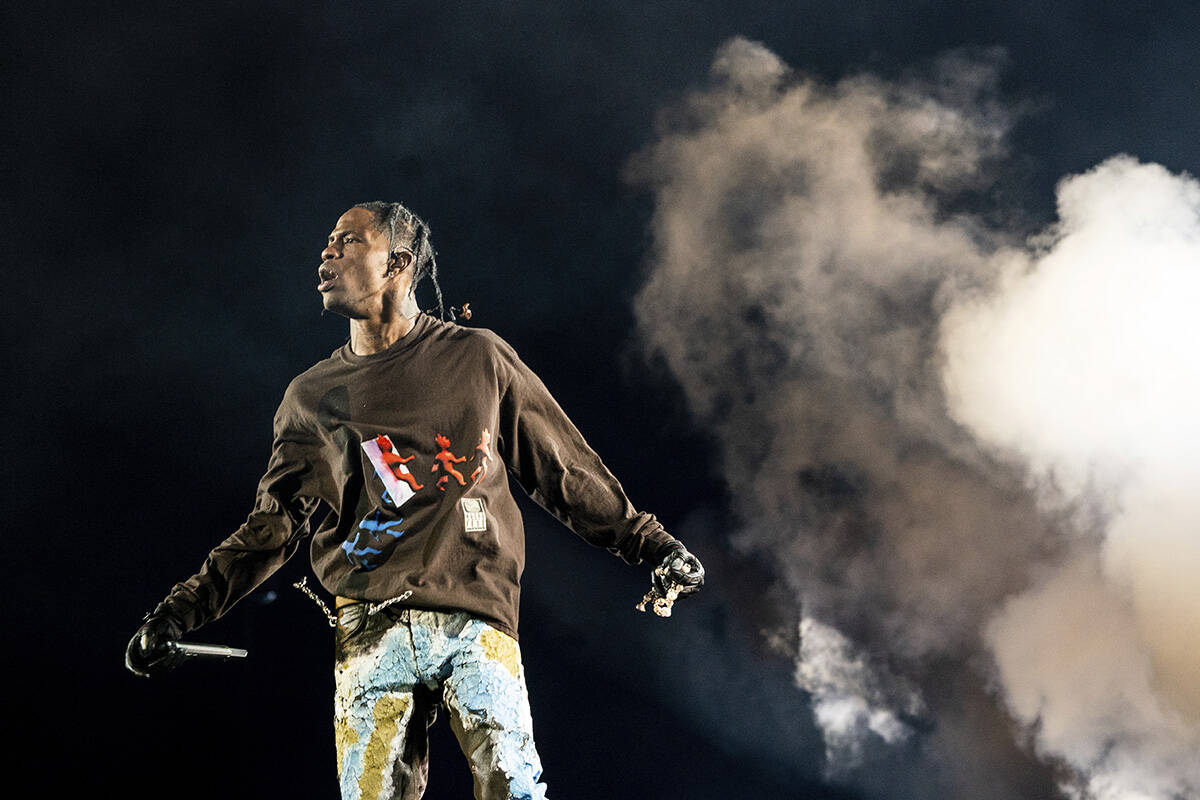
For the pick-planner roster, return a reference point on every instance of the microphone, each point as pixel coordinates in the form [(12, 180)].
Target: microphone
[(197, 650)]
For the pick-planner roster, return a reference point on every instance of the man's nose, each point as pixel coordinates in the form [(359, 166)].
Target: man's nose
[(329, 252)]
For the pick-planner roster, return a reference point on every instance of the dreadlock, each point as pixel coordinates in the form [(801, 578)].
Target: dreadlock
[(405, 228)]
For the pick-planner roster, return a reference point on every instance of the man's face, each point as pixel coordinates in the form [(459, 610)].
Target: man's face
[(354, 279)]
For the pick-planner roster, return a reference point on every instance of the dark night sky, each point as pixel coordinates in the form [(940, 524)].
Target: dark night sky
[(172, 174)]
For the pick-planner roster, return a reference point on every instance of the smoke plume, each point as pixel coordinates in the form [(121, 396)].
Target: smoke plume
[(931, 429), (1083, 362)]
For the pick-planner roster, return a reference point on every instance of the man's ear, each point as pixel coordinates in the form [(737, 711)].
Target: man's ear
[(400, 260)]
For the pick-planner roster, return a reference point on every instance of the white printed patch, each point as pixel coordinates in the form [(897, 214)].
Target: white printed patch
[(473, 514)]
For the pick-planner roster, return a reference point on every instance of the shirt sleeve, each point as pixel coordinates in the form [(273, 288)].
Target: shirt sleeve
[(270, 535), (548, 456)]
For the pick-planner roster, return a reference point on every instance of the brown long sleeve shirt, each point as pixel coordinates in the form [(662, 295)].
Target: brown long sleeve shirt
[(410, 447)]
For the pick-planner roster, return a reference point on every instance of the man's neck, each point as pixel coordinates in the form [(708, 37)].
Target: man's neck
[(374, 335)]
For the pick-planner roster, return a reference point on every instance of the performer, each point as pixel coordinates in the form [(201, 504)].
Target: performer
[(425, 570)]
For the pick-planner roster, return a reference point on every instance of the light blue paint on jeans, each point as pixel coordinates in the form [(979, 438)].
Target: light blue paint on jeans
[(448, 653)]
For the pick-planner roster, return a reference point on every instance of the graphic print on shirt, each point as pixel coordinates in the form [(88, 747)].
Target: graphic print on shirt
[(446, 460), (370, 544), (389, 466), (484, 449)]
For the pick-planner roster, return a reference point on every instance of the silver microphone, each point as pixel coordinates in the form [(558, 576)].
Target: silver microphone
[(194, 649)]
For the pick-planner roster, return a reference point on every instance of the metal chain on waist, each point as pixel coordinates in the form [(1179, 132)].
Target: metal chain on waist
[(302, 585), (372, 608), (375, 608)]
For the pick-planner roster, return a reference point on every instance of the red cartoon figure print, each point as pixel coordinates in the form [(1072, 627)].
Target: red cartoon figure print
[(484, 449), (446, 460), (393, 460)]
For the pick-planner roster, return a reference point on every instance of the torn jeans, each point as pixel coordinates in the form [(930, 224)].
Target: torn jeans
[(392, 670)]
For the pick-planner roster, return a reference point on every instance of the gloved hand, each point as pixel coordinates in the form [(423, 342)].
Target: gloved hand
[(149, 652), (681, 568)]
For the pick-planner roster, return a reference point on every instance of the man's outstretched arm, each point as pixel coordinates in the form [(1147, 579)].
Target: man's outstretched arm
[(551, 460), (269, 537)]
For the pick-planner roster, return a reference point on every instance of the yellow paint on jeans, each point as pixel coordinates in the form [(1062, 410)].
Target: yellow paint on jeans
[(344, 737), (388, 713), (500, 647)]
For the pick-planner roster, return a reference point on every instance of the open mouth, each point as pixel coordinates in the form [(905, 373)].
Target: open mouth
[(327, 276)]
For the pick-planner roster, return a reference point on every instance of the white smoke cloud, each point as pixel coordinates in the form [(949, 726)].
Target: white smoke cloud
[(848, 702), (1084, 361), (826, 311), (1072, 661)]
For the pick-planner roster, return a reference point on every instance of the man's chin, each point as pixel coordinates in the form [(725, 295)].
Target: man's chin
[(333, 306)]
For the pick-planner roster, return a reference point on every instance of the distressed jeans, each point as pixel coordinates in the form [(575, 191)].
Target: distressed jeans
[(392, 669)]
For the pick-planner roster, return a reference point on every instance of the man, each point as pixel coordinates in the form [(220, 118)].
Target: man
[(400, 432)]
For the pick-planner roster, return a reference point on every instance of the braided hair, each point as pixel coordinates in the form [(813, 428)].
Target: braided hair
[(405, 228)]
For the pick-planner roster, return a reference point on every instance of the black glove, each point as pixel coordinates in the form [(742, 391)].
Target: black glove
[(149, 652), (680, 567)]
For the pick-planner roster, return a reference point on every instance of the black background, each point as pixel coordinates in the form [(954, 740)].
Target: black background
[(172, 172)]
